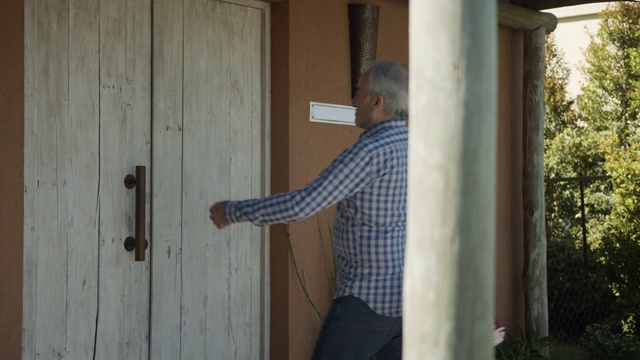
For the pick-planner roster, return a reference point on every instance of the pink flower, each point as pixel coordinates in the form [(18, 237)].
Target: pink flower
[(498, 335)]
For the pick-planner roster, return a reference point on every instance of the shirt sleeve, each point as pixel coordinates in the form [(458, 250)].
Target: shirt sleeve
[(348, 173)]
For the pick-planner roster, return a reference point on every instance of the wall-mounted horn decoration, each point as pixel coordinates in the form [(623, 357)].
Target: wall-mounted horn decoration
[(363, 37)]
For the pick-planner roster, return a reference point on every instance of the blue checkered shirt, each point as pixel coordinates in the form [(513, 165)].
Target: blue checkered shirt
[(368, 181)]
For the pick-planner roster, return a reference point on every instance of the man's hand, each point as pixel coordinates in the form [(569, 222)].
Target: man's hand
[(217, 214)]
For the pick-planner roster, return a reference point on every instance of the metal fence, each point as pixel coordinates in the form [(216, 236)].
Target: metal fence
[(570, 292)]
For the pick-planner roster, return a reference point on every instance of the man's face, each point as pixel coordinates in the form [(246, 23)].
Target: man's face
[(362, 102)]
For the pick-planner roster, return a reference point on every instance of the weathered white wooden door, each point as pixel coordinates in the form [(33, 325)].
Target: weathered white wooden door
[(181, 88)]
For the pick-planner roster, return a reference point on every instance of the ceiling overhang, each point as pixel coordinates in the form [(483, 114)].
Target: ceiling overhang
[(550, 4)]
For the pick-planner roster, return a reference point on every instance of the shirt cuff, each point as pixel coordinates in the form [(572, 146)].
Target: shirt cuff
[(235, 212)]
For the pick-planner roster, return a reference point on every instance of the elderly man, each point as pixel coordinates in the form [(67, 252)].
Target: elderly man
[(368, 181)]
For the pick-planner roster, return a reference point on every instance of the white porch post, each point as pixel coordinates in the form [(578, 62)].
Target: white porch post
[(449, 268)]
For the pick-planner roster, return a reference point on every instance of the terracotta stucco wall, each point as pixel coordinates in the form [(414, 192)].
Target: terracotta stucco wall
[(11, 175), (509, 216), (319, 70)]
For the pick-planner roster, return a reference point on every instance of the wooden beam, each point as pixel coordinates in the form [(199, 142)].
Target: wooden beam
[(524, 19), (535, 239), (450, 257)]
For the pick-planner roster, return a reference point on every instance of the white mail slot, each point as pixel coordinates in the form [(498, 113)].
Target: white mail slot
[(332, 113)]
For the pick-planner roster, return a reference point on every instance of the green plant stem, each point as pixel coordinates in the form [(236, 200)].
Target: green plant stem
[(303, 283)]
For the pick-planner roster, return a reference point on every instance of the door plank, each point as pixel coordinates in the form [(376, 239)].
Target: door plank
[(167, 180), (138, 107), (81, 174), (125, 54), (45, 241), (223, 156), (245, 113), (205, 176)]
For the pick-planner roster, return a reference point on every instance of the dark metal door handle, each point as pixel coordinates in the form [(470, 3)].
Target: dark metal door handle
[(139, 242)]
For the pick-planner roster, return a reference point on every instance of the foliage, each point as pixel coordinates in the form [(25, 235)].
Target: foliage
[(559, 111), (603, 343), (620, 248), (599, 134), (609, 105), (519, 348), (564, 350), (571, 150), (611, 72), (576, 296)]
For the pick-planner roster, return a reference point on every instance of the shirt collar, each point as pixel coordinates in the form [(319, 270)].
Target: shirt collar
[(379, 127)]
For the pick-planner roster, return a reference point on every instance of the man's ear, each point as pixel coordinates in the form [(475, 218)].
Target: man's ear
[(379, 102)]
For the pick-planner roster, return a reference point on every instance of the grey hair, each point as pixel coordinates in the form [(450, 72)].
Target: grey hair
[(390, 80)]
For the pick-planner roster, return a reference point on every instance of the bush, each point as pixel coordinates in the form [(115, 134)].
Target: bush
[(518, 348), (573, 304), (603, 343)]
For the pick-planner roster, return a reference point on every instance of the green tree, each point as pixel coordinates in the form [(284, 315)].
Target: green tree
[(601, 135), (612, 72), (559, 106), (560, 119), (609, 105), (571, 150)]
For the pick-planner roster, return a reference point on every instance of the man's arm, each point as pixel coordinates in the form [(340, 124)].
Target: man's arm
[(350, 172)]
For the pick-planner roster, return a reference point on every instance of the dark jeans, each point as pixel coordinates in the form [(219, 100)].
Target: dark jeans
[(352, 331)]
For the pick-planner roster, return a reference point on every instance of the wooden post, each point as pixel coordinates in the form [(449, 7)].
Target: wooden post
[(535, 241), (449, 268)]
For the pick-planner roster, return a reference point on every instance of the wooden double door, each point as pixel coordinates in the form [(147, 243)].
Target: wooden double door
[(181, 88)]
